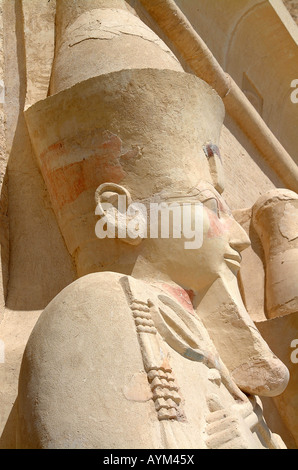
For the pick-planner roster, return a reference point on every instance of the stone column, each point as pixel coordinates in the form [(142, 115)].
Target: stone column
[(275, 218)]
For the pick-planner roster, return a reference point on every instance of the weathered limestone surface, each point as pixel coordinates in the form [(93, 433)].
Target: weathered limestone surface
[(293, 8), (39, 42), (102, 125), (275, 219), (272, 303), (3, 179), (39, 264), (286, 403), (178, 410), (260, 27)]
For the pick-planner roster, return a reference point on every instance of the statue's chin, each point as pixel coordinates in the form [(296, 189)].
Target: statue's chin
[(254, 367), (233, 265), (268, 378)]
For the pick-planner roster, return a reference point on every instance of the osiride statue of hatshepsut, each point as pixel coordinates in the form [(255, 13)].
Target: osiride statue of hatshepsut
[(149, 225)]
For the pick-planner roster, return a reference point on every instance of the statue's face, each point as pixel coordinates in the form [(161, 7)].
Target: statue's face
[(196, 267)]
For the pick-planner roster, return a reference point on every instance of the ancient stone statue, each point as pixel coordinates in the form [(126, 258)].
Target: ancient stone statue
[(152, 346), (275, 218)]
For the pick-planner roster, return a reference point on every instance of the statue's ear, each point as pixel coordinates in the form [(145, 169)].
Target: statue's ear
[(215, 166), (109, 193), (113, 204)]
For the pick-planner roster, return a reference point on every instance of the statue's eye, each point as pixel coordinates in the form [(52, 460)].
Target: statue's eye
[(212, 204)]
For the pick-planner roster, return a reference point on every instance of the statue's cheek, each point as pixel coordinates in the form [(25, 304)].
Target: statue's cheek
[(218, 228)]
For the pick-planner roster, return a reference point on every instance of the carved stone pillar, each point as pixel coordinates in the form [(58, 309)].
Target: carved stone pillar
[(275, 218)]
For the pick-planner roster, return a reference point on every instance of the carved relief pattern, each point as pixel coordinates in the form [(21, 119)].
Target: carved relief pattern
[(160, 377), (142, 317)]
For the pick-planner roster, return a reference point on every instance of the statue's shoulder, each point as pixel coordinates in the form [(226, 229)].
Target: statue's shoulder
[(104, 285), (93, 310), (93, 295), (97, 285), (83, 355), (102, 282)]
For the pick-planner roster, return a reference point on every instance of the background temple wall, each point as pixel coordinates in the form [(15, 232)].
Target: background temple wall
[(39, 264), (243, 36)]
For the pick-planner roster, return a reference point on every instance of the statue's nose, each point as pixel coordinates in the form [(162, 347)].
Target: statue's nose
[(239, 239)]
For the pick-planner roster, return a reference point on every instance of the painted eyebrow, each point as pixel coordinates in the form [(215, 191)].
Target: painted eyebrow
[(201, 195), (193, 196), (222, 205)]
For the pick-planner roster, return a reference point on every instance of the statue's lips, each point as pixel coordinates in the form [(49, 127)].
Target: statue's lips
[(233, 258)]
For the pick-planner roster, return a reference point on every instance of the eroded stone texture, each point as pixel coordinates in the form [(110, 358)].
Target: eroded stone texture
[(102, 38), (286, 350), (292, 6), (275, 218), (187, 395), (111, 132), (153, 346)]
